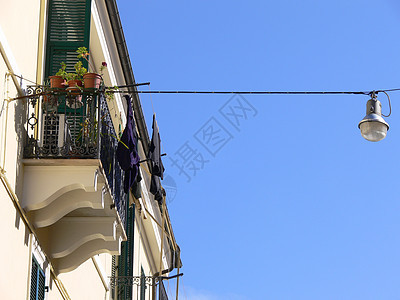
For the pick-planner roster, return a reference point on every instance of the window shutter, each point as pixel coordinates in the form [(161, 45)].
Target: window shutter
[(113, 274), (125, 261), (68, 29), (37, 281), (41, 285), (129, 233), (34, 280)]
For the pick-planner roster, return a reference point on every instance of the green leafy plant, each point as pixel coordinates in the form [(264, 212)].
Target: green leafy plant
[(79, 70), (61, 72), (70, 76), (84, 53), (109, 92)]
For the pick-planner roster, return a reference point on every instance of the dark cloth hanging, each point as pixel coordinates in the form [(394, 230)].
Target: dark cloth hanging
[(156, 189), (127, 154), (136, 187), (156, 165)]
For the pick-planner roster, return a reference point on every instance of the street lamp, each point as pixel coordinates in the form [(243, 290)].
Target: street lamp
[(373, 127)]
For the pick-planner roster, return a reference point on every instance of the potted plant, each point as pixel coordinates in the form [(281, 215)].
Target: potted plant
[(57, 81), (91, 80), (75, 79), (75, 86)]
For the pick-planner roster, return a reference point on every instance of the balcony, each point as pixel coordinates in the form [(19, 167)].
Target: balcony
[(73, 185)]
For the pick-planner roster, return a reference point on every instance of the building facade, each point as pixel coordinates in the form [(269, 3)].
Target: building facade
[(71, 228)]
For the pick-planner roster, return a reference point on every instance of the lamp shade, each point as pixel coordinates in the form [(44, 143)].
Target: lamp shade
[(373, 127)]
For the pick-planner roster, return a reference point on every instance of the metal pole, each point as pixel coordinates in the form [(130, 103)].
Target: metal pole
[(177, 279), (159, 286), (162, 235)]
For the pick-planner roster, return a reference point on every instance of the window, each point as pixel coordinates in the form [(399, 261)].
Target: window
[(37, 281), (68, 27)]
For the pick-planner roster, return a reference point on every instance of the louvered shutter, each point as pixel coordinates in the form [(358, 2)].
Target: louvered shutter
[(130, 236), (68, 29), (125, 261), (34, 280), (41, 285), (113, 275), (37, 281)]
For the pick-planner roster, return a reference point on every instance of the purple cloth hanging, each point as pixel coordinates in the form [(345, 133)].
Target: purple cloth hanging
[(127, 154)]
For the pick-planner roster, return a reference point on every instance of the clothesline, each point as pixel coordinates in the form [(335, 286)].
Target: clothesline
[(119, 90)]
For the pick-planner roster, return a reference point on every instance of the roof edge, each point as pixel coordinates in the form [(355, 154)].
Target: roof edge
[(127, 70)]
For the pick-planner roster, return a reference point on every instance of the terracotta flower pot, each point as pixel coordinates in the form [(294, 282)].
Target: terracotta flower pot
[(74, 83), (92, 80), (56, 82)]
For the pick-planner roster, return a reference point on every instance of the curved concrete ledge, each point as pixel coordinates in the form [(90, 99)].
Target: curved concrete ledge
[(57, 194), (70, 233), (83, 253), (44, 184), (65, 204)]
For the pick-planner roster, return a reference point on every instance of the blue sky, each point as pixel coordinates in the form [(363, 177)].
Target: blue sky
[(295, 204)]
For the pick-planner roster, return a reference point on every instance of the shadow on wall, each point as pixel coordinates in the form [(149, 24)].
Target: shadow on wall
[(20, 107)]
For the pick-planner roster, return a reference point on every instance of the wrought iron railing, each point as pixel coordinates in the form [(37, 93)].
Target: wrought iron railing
[(74, 125), (118, 281), (123, 283)]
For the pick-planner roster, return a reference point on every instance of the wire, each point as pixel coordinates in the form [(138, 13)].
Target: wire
[(388, 90), (254, 92), (390, 106), (238, 92), (24, 78)]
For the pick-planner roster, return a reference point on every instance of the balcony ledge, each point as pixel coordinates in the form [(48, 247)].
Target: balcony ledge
[(69, 202)]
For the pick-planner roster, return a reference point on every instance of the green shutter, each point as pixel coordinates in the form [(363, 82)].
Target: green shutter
[(37, 281), (68, 29), (130, 236), (125, 260), (34, 280), (41, 285)]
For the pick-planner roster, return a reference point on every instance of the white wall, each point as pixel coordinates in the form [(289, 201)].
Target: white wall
[(19, 35)]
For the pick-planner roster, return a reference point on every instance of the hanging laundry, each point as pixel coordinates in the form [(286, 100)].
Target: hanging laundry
[(156, 165), (136, 187), (127, 154), (156, 189)]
